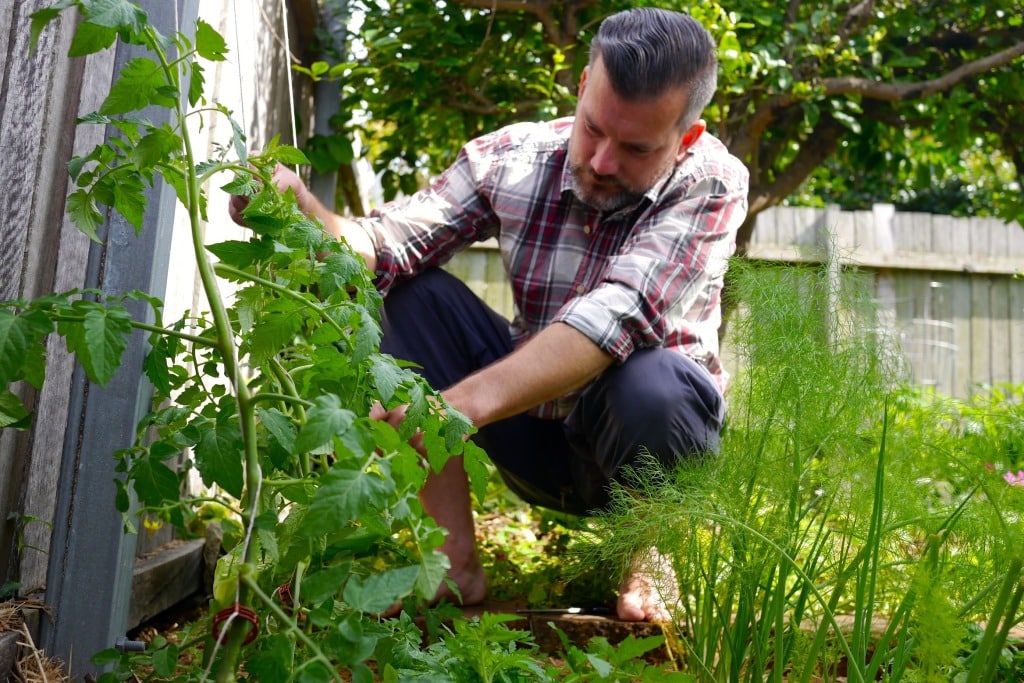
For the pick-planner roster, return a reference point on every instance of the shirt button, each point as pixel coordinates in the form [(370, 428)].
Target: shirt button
[(586, 229), (580, 289)]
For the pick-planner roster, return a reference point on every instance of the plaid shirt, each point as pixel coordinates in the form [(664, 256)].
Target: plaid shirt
[(648, 275)]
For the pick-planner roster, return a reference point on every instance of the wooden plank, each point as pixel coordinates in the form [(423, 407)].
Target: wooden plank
[(999, 236), (40, 492), (766, 230), (960, 316), (980, 351), (164, 578), (22, 117), (1016, 343), (1016, 246), (944, 238), (999, 322)]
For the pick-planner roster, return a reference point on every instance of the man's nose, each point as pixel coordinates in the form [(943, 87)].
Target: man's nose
[(604, 161)]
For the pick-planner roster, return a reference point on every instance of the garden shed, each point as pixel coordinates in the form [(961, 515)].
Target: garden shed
[(948, 288)]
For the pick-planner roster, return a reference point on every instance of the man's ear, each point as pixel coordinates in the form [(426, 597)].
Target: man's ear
[(691, 136), (583, 81)]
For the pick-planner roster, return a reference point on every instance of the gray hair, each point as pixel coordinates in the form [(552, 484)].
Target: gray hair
[(648, 52)]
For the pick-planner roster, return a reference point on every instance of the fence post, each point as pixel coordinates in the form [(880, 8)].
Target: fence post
[(91, 558)]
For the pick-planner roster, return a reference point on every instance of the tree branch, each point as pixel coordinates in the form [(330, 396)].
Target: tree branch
[(870, 89), (826, 136)]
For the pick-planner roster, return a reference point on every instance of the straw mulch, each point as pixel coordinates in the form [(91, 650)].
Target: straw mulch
[(31, 665)]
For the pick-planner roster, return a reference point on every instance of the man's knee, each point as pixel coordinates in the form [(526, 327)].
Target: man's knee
[(658, 402)]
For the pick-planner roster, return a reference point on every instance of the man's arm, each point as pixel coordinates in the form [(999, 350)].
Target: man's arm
[(556, 361)]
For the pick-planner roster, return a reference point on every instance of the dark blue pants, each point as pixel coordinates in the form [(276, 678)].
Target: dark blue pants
[(658, 401)]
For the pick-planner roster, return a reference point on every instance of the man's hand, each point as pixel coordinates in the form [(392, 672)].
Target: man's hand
[(339, 227), (285, 179), (394, 418)]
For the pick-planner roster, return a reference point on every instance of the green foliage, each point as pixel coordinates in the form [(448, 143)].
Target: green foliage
[(846, 103), (271, 392), (830, 531)]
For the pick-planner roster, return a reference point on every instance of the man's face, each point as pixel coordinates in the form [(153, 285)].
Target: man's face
[(619, 148)]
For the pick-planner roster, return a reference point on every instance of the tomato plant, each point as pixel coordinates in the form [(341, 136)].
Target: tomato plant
[(270, 391)]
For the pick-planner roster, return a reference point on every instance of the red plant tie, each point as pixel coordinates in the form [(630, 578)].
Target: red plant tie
[(242, 611)]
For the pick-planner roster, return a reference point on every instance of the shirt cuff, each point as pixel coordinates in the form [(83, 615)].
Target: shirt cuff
[(595, 319)]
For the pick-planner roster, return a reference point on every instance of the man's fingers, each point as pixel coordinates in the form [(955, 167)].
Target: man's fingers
[(236, 205)]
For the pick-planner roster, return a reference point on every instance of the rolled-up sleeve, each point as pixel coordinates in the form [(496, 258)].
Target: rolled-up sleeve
[(427, 228)]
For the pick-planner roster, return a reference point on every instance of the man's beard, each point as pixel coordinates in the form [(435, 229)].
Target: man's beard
[(624, 196)]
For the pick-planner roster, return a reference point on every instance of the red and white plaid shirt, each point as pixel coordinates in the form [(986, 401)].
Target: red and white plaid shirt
[(647, 275)]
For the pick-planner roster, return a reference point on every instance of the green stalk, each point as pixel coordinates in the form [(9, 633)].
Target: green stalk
[(224, 269), (183, 336), (227, 672), (864, 598), (986, 658), (284, 618)]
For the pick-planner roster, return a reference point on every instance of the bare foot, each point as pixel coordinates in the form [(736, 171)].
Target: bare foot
[(649, 591), (463, 586), (471, 583)]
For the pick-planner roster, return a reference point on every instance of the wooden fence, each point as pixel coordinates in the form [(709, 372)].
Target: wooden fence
[(948, 287)]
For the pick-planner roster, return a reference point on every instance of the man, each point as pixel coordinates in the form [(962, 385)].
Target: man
[(615, 227)]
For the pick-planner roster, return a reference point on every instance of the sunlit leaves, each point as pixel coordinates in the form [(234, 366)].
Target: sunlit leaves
[(345, 494), (326, 419), (141, 83), (210, 44), (117, 14)]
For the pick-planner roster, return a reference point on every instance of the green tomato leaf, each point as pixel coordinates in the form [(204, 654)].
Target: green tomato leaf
[(367, 337), (288, 155), (12, 411), (141, 83), (324, 583), (129, 197), (272, 333), (99, 340), (345, 492), (210, 44), (324, 421), (273, 661), (337, 272), (90, 38), (84, 214), (387, 376), (157, 145), (378, 592), (20, 337), (219, 456), (474, 461), (242, 254), (117, 14), (42, 18), (434, 567), (279, 426), (155, 367), (165, 660), (154, 482), (196, 83)]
